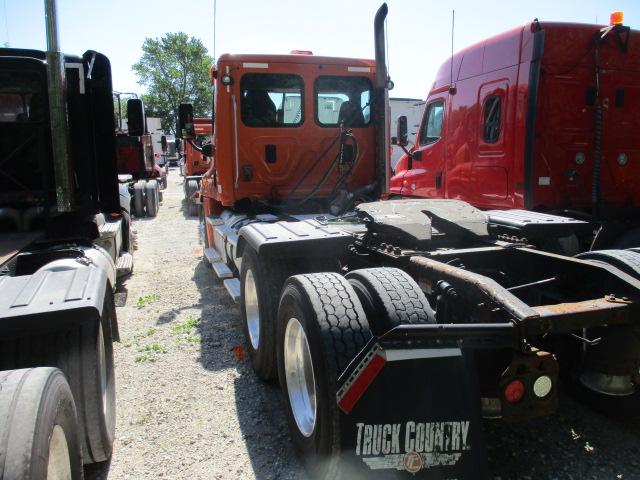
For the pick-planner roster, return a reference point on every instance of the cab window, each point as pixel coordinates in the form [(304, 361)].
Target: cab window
[(432, 125), (272, 100), (343, 100), (491, 115)]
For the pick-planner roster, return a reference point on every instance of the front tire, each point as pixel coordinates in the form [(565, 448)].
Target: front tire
[(39, 426), (321, 328)]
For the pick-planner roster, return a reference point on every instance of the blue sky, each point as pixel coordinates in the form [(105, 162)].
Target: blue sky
[(419, 32)]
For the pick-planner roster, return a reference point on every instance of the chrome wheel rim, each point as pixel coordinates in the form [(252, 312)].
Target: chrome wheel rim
[(59, 464), (251, 309), (300, 378)]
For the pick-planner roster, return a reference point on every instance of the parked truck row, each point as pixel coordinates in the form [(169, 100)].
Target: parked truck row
[(395, 325)]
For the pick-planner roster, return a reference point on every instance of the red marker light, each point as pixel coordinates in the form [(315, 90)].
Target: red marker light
[(514, 391)]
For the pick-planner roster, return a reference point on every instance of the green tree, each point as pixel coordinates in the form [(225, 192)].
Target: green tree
[(174, 69)]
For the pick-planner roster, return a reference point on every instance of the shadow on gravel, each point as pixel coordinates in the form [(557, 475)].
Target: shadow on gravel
[(260, 412), (574, 443)]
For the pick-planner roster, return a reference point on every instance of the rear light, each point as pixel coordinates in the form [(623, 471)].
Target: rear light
[(514, 391), (617, 18), (542, 386)]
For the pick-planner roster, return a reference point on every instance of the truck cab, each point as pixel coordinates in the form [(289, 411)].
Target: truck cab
[(280, 124), (541, 118)]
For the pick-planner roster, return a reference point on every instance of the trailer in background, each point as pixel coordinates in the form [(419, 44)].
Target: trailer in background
[(412, 108)]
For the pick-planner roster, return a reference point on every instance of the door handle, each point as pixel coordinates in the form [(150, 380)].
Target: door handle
[(439, 180)]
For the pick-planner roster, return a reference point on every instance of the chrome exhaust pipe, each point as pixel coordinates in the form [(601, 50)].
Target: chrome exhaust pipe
[(56, 82)]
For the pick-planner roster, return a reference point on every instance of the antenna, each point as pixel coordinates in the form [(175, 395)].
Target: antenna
[(215, 17), (452, 89)]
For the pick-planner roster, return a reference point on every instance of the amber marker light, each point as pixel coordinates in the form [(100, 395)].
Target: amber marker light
[(617, 18)]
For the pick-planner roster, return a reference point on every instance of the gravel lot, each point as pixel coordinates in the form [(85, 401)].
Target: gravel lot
[(189, 407)]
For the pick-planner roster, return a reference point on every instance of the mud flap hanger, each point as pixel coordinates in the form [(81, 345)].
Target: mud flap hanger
[(414, 342)]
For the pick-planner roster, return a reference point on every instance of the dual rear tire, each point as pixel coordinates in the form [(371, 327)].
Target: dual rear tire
[(315, 331)]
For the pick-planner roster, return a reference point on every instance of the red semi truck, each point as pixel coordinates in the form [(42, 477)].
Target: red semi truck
[(543, 118)]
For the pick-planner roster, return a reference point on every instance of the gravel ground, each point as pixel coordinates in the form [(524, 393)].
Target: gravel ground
[(189, 407)]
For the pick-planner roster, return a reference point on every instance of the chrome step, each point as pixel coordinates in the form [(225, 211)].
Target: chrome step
[(212, 255), (233, 287), (124, 265), (222, 270)]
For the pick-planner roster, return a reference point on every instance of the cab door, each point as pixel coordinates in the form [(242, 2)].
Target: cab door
[(425, 178)]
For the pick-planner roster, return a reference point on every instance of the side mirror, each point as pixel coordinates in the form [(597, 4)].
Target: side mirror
[(135, 117), (417, 155), (163, 143), (402, 135), (185, 121), (207, 150)]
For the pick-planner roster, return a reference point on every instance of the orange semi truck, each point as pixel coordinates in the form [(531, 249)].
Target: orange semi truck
[(543, 118), (366, 310), (194, 163)]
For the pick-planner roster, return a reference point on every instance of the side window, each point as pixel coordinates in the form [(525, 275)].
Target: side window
[(343, 100), (491, 116), (432, 127), (272, 100)]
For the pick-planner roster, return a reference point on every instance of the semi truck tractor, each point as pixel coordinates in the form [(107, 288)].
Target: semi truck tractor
[(64, 239), (392, 326), (137, 166), (538, 126), (194, 163)]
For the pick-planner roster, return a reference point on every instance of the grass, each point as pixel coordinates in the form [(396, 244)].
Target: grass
[(152, 348), (145, 358), (146, 300), (185, 327)]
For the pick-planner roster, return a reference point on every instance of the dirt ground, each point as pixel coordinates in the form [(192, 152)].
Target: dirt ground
[(190, 407)]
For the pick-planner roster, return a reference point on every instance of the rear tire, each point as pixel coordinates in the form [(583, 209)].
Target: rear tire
[(138, 198), (260, 285), (390, 297), (626, 260), (39, 427), (321, 328), (151, 196), (97, 406)]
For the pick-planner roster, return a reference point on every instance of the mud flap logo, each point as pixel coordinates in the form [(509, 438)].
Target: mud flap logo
[(412, 446)]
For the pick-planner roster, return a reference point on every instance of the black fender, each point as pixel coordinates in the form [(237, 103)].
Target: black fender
[(295, 238), (51, 300)]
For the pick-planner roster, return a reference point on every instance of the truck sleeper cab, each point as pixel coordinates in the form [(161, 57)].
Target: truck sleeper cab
[(524, 127), (61, 252)]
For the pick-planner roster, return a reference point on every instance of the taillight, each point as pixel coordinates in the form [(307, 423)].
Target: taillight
[(514, 391)]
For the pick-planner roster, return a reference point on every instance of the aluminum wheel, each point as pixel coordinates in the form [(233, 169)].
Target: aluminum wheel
[(59, 465), (299, 375), (252, 309)]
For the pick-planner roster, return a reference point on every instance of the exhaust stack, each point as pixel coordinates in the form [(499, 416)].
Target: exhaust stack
[(381, 99), (56, 82)]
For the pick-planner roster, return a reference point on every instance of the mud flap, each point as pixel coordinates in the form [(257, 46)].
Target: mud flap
[(411, 413)]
